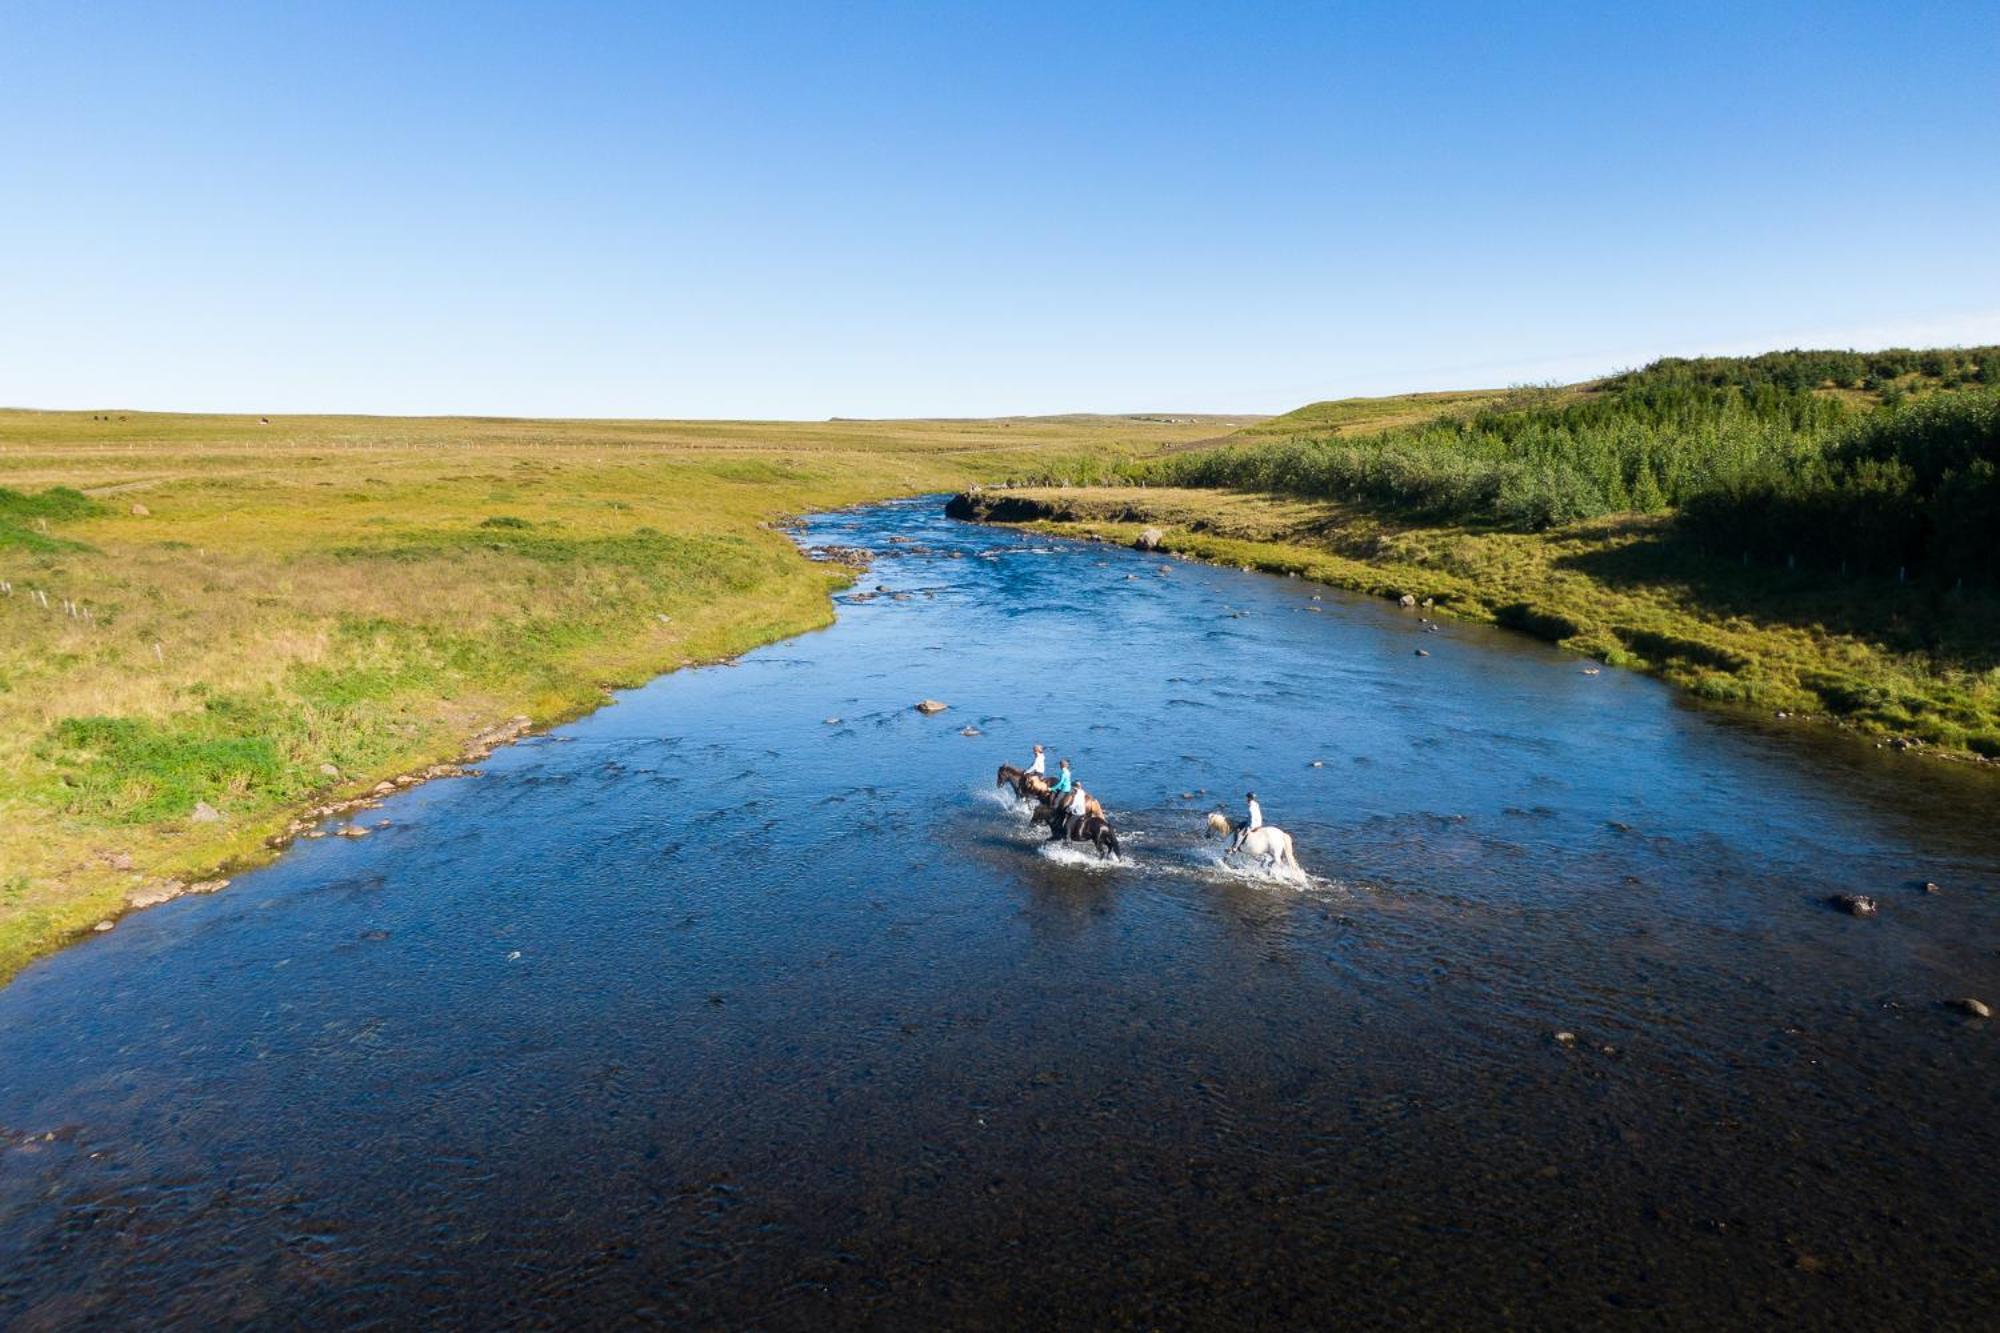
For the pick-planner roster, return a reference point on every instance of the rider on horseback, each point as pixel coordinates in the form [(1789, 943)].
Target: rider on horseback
[(1065, 780), (1036, 769), (1077, 810), (1255, 822)]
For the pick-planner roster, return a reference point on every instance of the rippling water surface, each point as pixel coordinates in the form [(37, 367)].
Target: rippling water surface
[(710, 1008)]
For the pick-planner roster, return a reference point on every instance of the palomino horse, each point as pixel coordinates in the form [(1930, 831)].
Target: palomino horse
[(1028, 786), (1034, 787), (1270, 844), (1094, 829)]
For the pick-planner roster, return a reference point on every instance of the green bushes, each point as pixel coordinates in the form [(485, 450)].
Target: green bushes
[(1647, 441), (1913, 492), (1758, 453)]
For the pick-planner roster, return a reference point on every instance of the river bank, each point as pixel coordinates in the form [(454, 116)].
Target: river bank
[(214, 625), (1885, 663)]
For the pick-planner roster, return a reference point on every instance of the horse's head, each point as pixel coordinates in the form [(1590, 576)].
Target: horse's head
[(1218, 825)]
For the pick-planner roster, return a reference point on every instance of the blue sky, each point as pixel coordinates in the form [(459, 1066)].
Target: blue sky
[(887, 209)]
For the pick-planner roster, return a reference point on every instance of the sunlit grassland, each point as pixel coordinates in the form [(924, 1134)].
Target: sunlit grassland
[(1888, 660), (367, 593), (1355, 416)]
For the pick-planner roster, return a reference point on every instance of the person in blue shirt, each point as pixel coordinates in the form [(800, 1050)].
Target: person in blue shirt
[(1064, 779)]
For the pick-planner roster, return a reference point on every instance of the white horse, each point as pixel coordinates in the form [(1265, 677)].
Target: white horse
[(1270, 844)]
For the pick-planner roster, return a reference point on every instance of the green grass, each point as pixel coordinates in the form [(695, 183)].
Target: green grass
[(368, 593), (1356, 416)]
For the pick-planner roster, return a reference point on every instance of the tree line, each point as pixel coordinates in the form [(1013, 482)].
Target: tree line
[(1790, 456)]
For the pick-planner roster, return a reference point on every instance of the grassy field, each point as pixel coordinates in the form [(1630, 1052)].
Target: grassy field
[(1906, 665), (259, 615)]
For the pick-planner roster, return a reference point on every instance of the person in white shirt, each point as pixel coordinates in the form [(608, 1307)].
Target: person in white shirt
[(1251, 825), (1037, 769), (1079, 801)]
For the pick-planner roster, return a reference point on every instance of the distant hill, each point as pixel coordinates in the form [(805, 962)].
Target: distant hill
[(1357, 416)]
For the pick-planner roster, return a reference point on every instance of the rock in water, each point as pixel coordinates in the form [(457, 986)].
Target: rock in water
[(1854, 904), (929, 706), (1150, 539), (1422, 652), (1407, 600), (103, 926), (969, 731), (1975, 1008)]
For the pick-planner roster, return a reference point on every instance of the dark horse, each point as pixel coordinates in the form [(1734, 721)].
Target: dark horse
[(1094, 829)]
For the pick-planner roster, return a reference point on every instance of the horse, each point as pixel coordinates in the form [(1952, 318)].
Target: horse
[(1270, 844), (1026, 785), (1094, 829)]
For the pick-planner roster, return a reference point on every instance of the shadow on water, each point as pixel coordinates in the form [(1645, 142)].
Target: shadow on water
[(713, 1012)]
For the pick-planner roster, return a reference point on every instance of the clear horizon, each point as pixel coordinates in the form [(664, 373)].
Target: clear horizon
[(800, 212)]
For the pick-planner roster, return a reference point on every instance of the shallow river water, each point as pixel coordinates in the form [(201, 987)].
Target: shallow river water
[(709, 1009)]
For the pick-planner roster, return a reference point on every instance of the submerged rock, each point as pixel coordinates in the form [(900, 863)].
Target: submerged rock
[(1973, 1008), (1854, 904), (970, 730)]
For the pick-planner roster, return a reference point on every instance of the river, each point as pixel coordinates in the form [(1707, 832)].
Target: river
[(711, 1008)]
